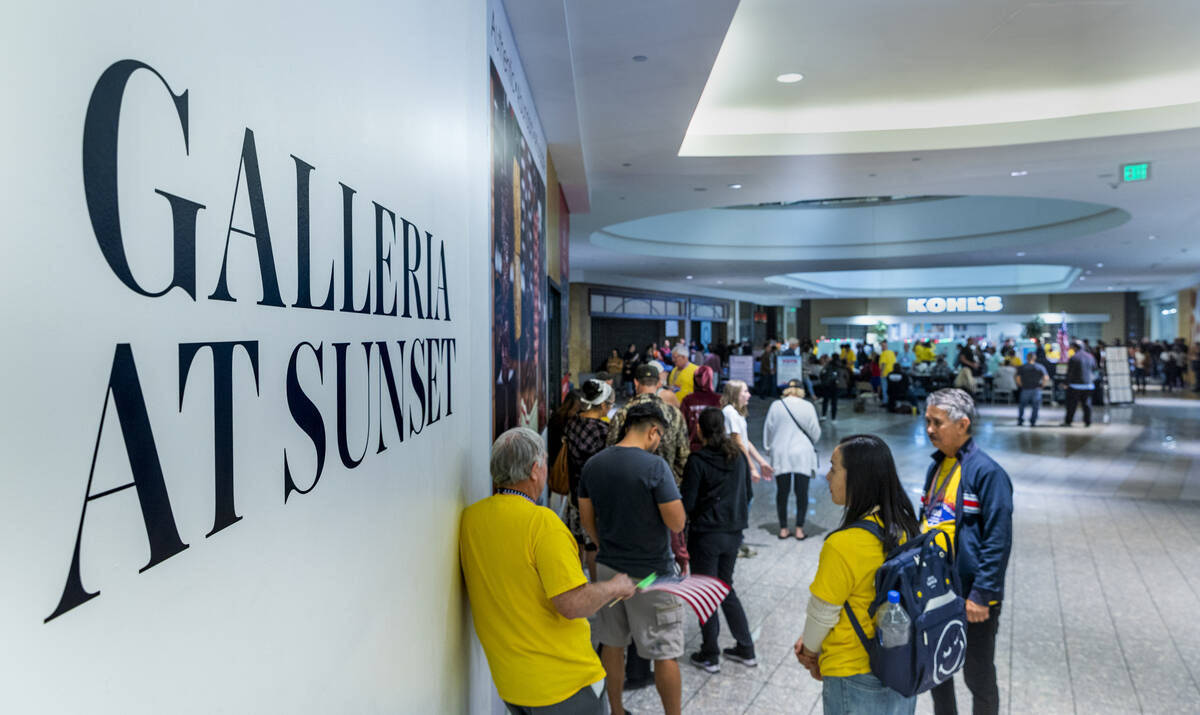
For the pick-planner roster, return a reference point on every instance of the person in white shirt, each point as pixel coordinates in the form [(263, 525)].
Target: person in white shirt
[(734, 398), (790, 436)]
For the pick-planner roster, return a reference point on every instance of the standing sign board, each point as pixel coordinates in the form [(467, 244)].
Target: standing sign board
[(1116, 371), (789, 367), (741, 367)]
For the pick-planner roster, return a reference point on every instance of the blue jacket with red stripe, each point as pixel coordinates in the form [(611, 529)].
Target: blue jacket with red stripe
[(983, 532)]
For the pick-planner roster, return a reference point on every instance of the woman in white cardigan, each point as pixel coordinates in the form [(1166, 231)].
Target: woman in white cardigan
[(790, 436)]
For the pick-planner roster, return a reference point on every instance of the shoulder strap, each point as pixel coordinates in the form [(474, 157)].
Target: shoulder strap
[(811, 441), (866, 525)]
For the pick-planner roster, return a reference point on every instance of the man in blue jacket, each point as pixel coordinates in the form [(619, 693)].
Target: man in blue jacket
[(969, 496)]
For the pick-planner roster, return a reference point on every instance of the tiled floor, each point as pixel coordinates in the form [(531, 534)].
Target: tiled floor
[(1102, 609)]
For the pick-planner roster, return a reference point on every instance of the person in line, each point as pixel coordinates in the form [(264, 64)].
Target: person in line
[(862, 480), (701, 399), (790, 436), (682, 379), (767, 369), (584, 436), (529, 597), (615, 366), (716, 497), (673, 447), (969, 496), (571, 405), (630, 506), (1031, 378), (830, 376), (887, 363), (906, 357), (1140, 360), (1081, 382), (632, 359), (734, 398)]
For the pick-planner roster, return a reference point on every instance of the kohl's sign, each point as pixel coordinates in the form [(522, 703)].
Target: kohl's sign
[(972, 304)]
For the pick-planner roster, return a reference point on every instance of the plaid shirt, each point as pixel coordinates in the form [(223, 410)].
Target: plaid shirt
[(674, 445), (584, 437)]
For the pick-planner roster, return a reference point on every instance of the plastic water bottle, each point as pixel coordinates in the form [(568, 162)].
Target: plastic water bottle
[(892, 622)]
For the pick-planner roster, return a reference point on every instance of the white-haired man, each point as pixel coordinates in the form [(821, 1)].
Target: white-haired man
[(529, 597), (969, 496)]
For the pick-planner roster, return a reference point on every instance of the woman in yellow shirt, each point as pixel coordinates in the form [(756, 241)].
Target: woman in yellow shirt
[(862, 478)]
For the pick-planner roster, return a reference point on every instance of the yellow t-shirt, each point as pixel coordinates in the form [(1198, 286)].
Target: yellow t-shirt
[(887, 361), (924, 354), (846, 572), (515, 557), (941, 505), (848, 357), (685, 379)]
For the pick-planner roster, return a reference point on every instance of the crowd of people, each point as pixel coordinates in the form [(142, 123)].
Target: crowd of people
[(660, 486)]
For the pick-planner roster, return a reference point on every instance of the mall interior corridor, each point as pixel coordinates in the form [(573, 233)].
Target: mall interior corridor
[(1102, 586)]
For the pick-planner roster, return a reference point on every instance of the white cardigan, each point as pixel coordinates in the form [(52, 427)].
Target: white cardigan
[(787, 445)]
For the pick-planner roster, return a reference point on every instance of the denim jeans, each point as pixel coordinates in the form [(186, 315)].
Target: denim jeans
[(1033, 399), (863, 694)]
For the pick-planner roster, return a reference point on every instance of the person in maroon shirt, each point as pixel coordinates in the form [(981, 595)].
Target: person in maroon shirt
[(701, 398)]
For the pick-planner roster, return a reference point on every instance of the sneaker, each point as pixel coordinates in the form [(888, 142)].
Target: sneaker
[(708, 663), (742, 655)]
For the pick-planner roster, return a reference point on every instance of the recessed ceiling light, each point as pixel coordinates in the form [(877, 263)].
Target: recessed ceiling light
[(1082, 278), (1110, 287), (720, 282), (1099, 265), (789, 78), (688, 277), (1018, 173), (1151, 237), (640, 58), (1020, 253), (735, 186), (1088, 272)]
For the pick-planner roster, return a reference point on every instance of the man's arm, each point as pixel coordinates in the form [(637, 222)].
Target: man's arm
[(587, 517), (995, 543), (672, 514), (585, 600)]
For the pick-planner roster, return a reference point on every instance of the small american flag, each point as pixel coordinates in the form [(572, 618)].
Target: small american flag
[(702, 593)]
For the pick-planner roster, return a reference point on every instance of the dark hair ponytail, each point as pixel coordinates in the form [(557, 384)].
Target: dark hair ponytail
[(871, 481), (712, 431)]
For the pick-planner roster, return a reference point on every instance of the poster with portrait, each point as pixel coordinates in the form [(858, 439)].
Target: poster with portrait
[(518, 271)]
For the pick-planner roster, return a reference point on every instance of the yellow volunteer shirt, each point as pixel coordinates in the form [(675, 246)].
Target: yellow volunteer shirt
[(516, 556), (887, 361), (941, 502), (684, 379), (924, 354), (846, 572), (848, 357)]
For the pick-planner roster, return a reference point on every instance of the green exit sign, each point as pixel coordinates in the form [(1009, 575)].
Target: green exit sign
[(1135, 172)]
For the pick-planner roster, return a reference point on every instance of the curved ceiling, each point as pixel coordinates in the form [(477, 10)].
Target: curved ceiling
[(889, 282), (929, 227), (991, 73)]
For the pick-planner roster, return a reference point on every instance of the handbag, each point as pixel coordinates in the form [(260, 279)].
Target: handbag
[(559, 479)]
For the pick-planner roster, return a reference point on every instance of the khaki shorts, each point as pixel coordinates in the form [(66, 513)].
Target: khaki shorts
[(653, 620)]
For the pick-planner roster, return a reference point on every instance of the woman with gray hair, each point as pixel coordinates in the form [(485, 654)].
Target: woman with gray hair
[(790, 436)]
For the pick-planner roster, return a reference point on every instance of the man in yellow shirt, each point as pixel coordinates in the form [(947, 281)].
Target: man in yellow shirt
[(683, 378), (848, 356), (887, 362), (529, 597)]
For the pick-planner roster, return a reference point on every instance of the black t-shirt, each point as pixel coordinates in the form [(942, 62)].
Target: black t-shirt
[(626, 485), (1031, 375)]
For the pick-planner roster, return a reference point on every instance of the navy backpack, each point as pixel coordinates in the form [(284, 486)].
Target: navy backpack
[(922, 571)]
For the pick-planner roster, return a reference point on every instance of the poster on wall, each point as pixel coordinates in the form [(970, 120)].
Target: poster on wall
[(518, 201)]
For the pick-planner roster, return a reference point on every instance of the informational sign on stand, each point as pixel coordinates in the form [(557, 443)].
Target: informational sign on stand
[(1116, 372), (741, 367), (789, 367)]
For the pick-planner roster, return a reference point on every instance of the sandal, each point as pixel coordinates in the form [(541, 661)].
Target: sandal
[(800, 535), (783, 533)]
